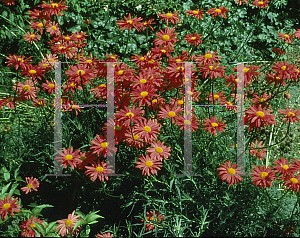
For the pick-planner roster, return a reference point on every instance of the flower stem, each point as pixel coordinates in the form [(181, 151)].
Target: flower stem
[(126, 44)]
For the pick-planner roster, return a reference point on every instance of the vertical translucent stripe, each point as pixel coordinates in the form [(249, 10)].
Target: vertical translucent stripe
[(240, 117)]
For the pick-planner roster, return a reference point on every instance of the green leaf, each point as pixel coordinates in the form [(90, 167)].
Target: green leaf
[(11, 17), (51, 227), (4, 13), (13, 188), (5, 188), (6, 176), (81, 214), (36, 211), (88, 230), (40, 228), (92, 217), (19, 179), (79, 223)]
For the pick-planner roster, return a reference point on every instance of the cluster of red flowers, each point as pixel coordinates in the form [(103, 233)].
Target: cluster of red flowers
[(288, 173)]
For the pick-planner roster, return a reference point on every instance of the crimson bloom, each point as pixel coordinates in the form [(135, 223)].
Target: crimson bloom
[(26, 91), (8, 205), (98, 170), (290, 115), (212, 125), (195, 13), (287, 38), (68, 157), (28, 226), (66, 225), (166, 37), (193, 39), (152, 220), (159, 151), (127, 115), (230, 173), (49, 86), (218, 12), (170, 17), (284, 70), (78, 73), (54, 8), (214, 70), (18, 61), (258, 116), (99, 145), (263, 176), (148, 165), (30, 37), (190, 125), (147, 130), (129, 23), (144, 94), (283, 168), (168, 112), (261, 4), (32, 183), (208, 58), (293, 182), (148, 23), (256, 149), (217, 98), (261, 100), (33, 71)]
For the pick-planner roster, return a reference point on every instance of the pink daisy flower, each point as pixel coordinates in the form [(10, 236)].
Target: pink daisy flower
[(68, 157), (98, 170), (147, 130), (28, 226), (32, 183), (230, 173), (168, 112), (66, 225), (148, 165), (159, 151), (8, 205)]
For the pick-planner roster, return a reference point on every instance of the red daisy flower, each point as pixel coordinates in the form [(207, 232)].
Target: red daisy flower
[(54, 8), (168, 112), (127, 115), (261, 3), (53, 29), (66, 225), (187, 123), (159, 151), (208, 58), (33, 71), (101, 146), (129, 23), (258, 116), (8, 205), (249, 73), (9, 101), (287, 38), (32, 183), (18, 61), (230, 173), (78, 37), (231, 80), (283, 168), (28, 226), (214, 70), (218, 11), (148, 165), (295, 166), (30, 37), (78, 73), (293, 182), (98, 170), (9, 2), (147, 130), (256, 150), (195, 13), (297, 33), (162, 50), (263, 176), (212, 125), (133, 140), (278, 51), (68, 157), (173, 17), (148, 23), (284, 70), (27, 91), (166, 37), (152, 220), (217, 98), (104, 235), (240, 2), (271, 78), (144, 94), (86, 159), (49, 86), (193, 39), (261, 100), (291, 115), (38, 26)]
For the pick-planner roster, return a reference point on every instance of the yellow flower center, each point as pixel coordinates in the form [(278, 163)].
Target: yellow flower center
[(45, 65), (260, 114), (231, 171), (68, 222), (83, 158), (120, 72), (142, 58), (236, 80), (99, 169), (217, 10), (89, 61), (286, 36), (143, 81), (283, 67), (285, 166), (53, 28), (144, 94), (210, 67), (32, 36), (130, 22), (26, 88), (169, 14), (180, 102), (145, 23), (68, 157), (260, 3), (118, 127), (262, 100), (151, 61), (154, 100), (148, 163), (180, 68), (73, 84), (32, 225), (171, 114), (74, 107), (158, 150), (61, 47), (216, 96), (291, 114), (163, 51), (147, 128), (193, 38), (78, 36), (51, 85), (54, 5), (195, 12), (229, 103), (246, 70), (135, 137), (178, 60), (80, 72), (67, 38), (207, 56), (32, 71), (103, 144), (188, 122), (129, 114), (6, 206), (9, 99), (214, 124), (19, 59), (30, 185), (263, 175), (166, 37), (40, 24), (294, 180)]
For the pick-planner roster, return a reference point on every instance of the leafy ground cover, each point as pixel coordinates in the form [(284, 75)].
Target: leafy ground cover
[(149, 44)]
